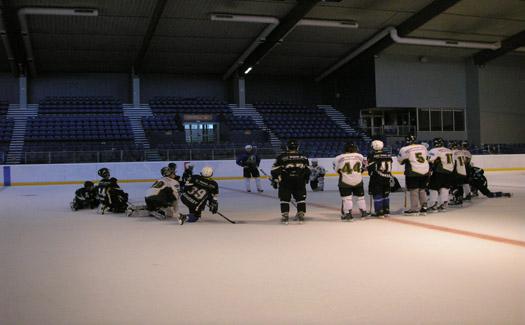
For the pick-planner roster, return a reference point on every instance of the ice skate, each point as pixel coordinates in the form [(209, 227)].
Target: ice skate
[(182, 218), (300, 217), (434, 208), (284, 218), (423, 211), (410, 212)]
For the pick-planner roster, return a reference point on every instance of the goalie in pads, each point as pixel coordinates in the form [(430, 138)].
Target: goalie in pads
[(317, 176)]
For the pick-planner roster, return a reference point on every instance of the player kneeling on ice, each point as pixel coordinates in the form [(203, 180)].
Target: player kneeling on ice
[(103, 183), (85, 197), (350, 166), (200, 190), (249, 161), (162, 197), (290, 173), (478, 181), (317, 174), (380, 171), (114, 199)]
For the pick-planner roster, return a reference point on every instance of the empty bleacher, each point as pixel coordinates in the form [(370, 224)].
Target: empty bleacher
[(67, 106), (6, 130)]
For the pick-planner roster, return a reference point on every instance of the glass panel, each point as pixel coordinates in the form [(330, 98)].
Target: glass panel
[(448, 121), (435, 120), (424, 120), (459, 121)]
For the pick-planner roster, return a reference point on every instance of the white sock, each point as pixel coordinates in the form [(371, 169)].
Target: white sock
[(361, 203), (433, 197), (347, 204), (443, 193), (247, 183), (258, 184)]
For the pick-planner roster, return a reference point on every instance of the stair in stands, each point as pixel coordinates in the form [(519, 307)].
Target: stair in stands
[(249, 110), (135, 114), (340, 119), (19, 115)]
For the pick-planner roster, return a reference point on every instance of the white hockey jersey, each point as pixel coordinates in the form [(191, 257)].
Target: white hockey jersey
[(414, 156), (442, 158), (350, 167), (460, 160), (467, 155), (162, 183), (316, 172)]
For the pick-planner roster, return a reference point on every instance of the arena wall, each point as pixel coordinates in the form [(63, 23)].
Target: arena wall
[(57, 174)]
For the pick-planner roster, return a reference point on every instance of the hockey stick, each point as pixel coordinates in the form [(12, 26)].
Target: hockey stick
[(229, 220)]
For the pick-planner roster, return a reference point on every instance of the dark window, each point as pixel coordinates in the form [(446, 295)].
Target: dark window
[(459, 121), (424, 120), (435, 120), (448, 121)]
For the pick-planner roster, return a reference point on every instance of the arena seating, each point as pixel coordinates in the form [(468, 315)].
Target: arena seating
[(67, 106), (4, 106), (6, 130), (318, 135)]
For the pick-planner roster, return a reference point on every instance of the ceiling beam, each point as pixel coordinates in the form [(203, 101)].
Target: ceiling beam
[(152, 26), (415, 21), (11, 38), (510, 44), (287, 24)]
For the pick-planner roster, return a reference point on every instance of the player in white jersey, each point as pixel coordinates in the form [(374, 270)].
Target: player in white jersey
[(350, 166), (441, 160), (468, 165), (460, 173), (414, 157)]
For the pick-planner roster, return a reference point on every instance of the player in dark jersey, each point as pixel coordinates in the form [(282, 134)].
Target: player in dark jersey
[(478, 181), (249, 160), (173, 167), (380, 171), (197, 192), (116, 200), (85, 197), (186, 176), (290, 173)]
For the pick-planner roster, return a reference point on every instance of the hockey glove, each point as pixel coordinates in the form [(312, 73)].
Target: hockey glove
[(214, 206), (275, 183)]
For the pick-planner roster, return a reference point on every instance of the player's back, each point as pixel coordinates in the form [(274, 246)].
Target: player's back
[(460, 162), (380, 163), (350, 167), (201, 188), (442, 158), (292, 164), (415, 158)]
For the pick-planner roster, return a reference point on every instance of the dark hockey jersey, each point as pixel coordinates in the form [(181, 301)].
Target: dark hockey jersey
[(291, 164), (379, 164), (200, 189)]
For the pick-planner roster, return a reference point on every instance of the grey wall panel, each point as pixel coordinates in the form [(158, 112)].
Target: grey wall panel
[(9, 88), (80, 84), (299, 91), (403, 81), (153, 85)]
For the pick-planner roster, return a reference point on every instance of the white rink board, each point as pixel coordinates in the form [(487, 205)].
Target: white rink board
[(136, 171)]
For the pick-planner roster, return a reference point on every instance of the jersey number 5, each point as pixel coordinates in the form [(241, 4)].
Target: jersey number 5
[(420, 158)]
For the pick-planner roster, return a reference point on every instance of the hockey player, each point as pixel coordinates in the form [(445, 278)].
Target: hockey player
[(441, 160), (317, 174), (249, 161), (380, 171), (85, 197), (162, 197), (290, 173), (478, 181), (115, 199), (468, 158), (414, 157), (173, 166), (350, 166), (460, 174), (200, 190), (103, 183)]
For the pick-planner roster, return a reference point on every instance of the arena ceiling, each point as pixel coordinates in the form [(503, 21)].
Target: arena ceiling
[(185, 40)]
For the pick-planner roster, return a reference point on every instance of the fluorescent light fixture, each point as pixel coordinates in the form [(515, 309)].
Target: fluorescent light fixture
[(248, 70)]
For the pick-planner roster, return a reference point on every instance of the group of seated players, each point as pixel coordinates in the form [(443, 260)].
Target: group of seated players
[(440, 172)]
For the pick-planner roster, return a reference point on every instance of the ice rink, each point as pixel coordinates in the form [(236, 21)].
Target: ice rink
[(465, 266)]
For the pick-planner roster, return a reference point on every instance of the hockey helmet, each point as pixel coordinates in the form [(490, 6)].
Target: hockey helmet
[(188, 166), (465, 144), (350, 147), (453, 144), (437, 142), (248, 148), (166, 171), (410, 139), (88, 184), (103, 172), (292, 145), (314, 162), (377, 145), (207, 171), (172, 166), (113, 182)]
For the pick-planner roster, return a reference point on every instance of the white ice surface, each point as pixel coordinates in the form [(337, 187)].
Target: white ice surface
[(64, 267)]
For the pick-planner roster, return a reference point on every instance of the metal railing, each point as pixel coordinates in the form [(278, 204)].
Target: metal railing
[(390, 130), (58, 157)]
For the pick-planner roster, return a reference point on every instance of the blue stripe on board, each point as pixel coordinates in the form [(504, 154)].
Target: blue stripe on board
[(7, 176)]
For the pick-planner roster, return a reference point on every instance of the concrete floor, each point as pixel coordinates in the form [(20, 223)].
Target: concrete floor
[(465, 266)]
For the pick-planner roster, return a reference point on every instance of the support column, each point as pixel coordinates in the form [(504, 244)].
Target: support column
[(473, 115), (135, 84), (22, 91), (239, 91)]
